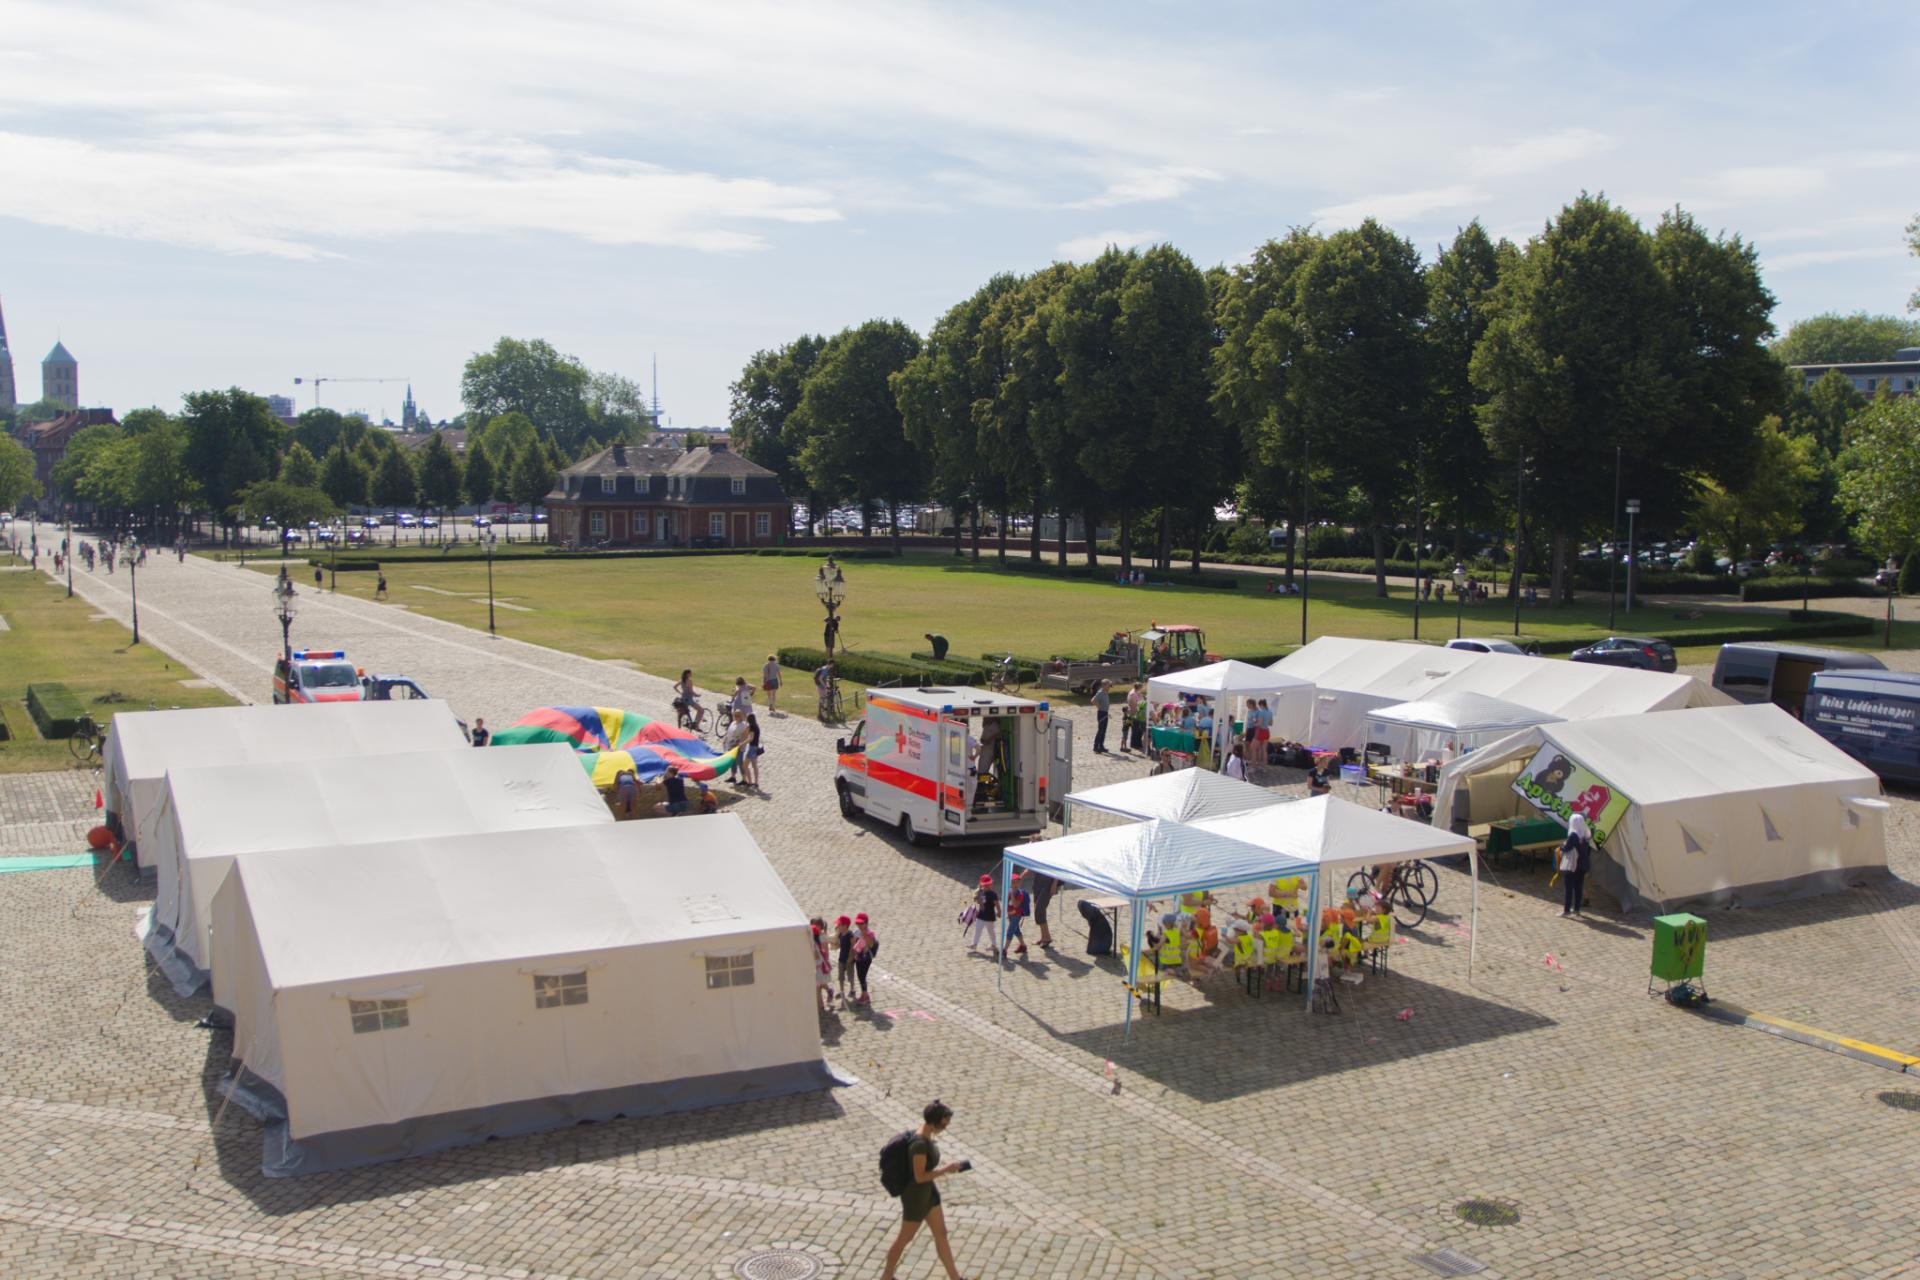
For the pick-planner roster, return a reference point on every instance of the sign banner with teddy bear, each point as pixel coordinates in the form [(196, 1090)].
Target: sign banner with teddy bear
[(1559, 786)]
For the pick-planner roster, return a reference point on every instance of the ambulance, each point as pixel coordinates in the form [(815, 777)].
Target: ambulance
[(317, 675), (955, 764)]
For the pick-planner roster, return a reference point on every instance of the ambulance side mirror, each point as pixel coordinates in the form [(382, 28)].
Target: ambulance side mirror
[(840, 745)]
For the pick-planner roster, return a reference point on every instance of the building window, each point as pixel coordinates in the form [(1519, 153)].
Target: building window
[(597, 523), (606, 484), (639, 524), (762, 524), (739, 485), (729, 971), (555, 990), (717, 524), (377, 1015)]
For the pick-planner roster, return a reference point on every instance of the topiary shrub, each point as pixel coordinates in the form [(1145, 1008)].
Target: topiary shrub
[(54, 709)]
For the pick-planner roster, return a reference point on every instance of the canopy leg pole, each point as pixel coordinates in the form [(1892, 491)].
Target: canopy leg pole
[(1312, 932), (1133, 968), (1473, 914), (1000, 927)]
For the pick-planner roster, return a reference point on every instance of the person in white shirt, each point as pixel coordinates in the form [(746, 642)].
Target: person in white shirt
[(1236, 764)]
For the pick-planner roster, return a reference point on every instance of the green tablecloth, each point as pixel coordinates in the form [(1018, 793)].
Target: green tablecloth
[(1518, 833), (1161, 738)]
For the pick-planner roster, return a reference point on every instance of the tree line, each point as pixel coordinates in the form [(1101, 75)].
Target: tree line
[(1497, 390)]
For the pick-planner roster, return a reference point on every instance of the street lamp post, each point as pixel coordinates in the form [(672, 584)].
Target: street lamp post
[(1613, 547), (333, 557), (1633, 557), (490, 541), (1306, 528), (133, 581), (66, 544), (1459, 598), (831, 586), (283, 609), (1519, 537), (1419, 549)]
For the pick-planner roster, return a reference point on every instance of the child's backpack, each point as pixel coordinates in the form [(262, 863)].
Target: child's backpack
[(896, 1166)]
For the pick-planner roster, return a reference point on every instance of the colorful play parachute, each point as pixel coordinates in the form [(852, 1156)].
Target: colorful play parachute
[(610, 740)]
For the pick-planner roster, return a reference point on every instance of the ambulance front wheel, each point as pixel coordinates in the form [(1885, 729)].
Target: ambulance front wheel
[(847, 809)]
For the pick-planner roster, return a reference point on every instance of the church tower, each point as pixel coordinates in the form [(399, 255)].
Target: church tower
[(60, 377), (9, 401), (409, 412)]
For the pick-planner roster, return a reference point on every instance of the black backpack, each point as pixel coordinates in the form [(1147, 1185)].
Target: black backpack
[(896, 1165)]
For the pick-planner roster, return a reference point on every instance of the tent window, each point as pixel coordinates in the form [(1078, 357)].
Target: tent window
[(377, 1015), (1689, 843), (729, 971), (552, 990), (1766, 821)]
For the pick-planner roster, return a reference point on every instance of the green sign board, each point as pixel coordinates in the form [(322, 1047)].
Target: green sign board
[(1560, 786)]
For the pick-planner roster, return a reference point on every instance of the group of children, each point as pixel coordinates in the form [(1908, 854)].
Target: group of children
[(855, 944), (1270, 934)]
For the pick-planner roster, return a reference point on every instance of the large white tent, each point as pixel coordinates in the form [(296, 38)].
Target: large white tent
[(1732, 805), (1231, 683), (1185, 795), (209, 816), (142, 745), (1356, 677), (401, 998), (1451, 722)]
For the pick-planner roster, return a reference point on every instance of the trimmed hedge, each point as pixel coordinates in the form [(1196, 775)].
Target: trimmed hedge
[(879, 669), (1794, 589), (1024, 672), (429, 556), (1210, 579), (54, 709), (1800, 625)]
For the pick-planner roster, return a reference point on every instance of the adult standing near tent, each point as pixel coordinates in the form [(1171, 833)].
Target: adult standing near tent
[(1136, 722), (920, 1201), (1102, 704), (1576, 858)]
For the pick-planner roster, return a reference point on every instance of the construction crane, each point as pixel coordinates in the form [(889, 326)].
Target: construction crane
[(317, 381)]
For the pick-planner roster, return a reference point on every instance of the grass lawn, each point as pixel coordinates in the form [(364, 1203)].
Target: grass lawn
[(722, 615), (50, 638)]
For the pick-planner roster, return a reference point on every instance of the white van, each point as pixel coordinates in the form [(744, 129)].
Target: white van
[(955, 764)]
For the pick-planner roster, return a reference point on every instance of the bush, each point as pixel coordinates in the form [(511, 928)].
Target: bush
[(1757, 589), (1841, 565), (1909, 580), (54, 709), (1700, 559), (880, 669)]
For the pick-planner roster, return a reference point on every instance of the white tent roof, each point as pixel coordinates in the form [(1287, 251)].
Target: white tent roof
[(1181, 796), (1152, 859), (1461, 710), (1230, 679), (1328, 832), (336, 914)]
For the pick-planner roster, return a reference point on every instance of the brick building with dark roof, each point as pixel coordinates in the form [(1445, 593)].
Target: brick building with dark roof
[(656, 495), (49, 440)]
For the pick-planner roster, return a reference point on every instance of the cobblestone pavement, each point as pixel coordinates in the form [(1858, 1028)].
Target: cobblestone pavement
[(1246, 1139)]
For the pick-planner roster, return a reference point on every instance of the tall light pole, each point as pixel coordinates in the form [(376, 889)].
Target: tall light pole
[(1519, 537), (1613, 547), (283, 609), (1419, 537), (333, 557), (133, 581), (831, 586), (1633, 558), (66, 544), (490, 540), (1306, 527)]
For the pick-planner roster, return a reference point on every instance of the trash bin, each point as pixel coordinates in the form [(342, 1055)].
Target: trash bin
[(1679, 947)]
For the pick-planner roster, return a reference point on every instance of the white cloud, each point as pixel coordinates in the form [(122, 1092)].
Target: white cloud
[(1082, 247), (1529, 155), (1399, 205), (1822, 257), (1770, 182), (1140, 186)]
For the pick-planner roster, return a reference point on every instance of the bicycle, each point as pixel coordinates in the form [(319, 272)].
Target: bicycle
[(833, 707), (85, 742), (1005, 677), (1411, 892), (694, 717)]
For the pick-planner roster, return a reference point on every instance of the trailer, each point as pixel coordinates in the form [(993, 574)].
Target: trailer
[(1133, 655), (955, 764)]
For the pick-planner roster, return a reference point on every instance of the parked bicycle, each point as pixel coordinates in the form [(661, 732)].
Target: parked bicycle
[(1409, 891), (1005, 676), (86, 742)]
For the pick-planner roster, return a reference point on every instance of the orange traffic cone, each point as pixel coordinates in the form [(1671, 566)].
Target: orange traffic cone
[(97, 802)]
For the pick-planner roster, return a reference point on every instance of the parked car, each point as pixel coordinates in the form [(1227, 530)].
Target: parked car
[(323, 535), (1629, 651), (292, 535), (1885, 578), (356, 535), (1488, 646), (481, 522), (429, 522), (406, 520), (369, 522)]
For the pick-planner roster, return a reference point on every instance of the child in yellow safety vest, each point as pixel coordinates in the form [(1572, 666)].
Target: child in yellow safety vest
[(1276, 944), (1241, 934), (1170, 951)]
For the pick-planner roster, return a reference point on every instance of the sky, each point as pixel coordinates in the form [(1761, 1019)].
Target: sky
[(198, 195)]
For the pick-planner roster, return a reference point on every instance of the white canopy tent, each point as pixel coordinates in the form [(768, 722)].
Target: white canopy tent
[(1450, 723), (401, 998), (1229, 684), (142, 745), (210, 816), (1185, 795), (1356, 677), (1328, 834), (1733, 805)]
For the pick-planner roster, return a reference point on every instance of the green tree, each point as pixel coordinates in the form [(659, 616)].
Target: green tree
[(233, 440), (1087, 435), (1019, 363), (16, 474), (531, 378), (140, 421), (1913, 245), (859, 445), (298, 468), (319, 429), (1772, 504), (395, 485), (504, 433), (1832, 338), (38, 411), (69, 474), (762, 417), (439, 476), (1880, 476), (1359, 305), (161, 484), (617, 408), (1460, 292), (1824, 409), (344, 477), (532, 477), (479, 473), (292, 505)]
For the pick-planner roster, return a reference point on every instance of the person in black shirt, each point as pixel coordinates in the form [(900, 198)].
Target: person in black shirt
[(676, 801), (921, 1200), (480, 735)]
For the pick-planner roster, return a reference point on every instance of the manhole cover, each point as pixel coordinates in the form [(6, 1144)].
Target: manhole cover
[(777, 1264), (1445, 1262), (1487, 1213), (1901, 1099)]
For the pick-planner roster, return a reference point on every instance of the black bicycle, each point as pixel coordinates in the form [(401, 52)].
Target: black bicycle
[(86, 741), (692, 716), (1409, 893)]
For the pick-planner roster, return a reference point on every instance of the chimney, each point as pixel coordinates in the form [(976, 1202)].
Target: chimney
[(619, 453)]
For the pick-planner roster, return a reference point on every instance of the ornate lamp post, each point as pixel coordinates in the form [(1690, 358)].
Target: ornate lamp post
[(831, 586), (283, 609), (131, 549)]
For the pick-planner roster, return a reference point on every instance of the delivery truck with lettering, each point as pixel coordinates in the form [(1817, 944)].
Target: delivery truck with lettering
[(1873, 716)]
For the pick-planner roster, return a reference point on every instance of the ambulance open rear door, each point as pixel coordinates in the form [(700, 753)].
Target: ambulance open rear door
[(1059, 765), (952, 778)]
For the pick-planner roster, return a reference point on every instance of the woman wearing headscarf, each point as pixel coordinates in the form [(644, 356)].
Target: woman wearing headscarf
[(1576, 857)]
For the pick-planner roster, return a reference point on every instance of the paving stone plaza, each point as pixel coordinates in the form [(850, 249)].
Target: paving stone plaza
[(1246, 1137)]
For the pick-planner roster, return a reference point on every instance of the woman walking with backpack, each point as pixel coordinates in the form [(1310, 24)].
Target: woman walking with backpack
[(919, 1197)]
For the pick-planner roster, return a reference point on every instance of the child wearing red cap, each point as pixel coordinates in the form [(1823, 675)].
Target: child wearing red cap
[(866, 945), (986, 916), (1017, 903), (843, 939)]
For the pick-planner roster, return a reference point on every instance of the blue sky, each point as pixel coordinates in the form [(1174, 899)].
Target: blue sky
[(197, 195)]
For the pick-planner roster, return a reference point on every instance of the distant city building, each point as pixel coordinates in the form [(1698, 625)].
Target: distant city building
[(49, 440), (281, 406), (456, 438), (8, 400), (411, 418), (659, 494), (1899, 376), (60, 378)]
